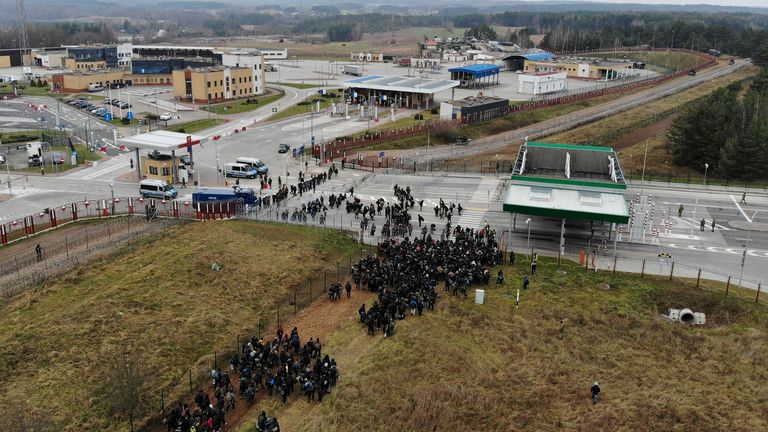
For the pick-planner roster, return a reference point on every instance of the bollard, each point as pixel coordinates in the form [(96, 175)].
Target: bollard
[(757, 296), (727, 285), (672, 270), (642, 271), (698, 279)]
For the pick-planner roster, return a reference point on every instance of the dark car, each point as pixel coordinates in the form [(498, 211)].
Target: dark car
[(283, 148), (125, 105), (462, 140)]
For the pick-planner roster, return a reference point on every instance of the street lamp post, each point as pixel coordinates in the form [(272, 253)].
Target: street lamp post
[(696, 205), (528, 244), (706, 167), (112, 192), (744, 254)]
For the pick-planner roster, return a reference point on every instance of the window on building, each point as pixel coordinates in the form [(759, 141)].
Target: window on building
[(153, 170), (209, 96), (209, 85), (166, 171)]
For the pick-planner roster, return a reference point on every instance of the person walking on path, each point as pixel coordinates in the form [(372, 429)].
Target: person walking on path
[(680, 211), (183, 183), (703, 223), (533, 267), (526, 282), (743, 198), (39, 252), (511, 258)]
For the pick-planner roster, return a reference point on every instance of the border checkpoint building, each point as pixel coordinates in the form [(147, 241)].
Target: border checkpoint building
[(567, 182)]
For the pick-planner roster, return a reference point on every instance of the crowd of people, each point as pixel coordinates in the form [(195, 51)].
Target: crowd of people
[(281, 367), (406, 274)]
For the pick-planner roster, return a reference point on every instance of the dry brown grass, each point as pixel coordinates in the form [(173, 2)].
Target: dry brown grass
[(159, 296), (492, 367)]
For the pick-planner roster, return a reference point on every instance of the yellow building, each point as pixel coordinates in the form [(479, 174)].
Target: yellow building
[(76, 82), (74, 65), (214, 84), (593, 70)]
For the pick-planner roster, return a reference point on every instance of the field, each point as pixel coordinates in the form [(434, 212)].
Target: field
[(83, 154), (242, 105), (195, 125), (302, 108), (160, 299), (631, 147), (493, 367)]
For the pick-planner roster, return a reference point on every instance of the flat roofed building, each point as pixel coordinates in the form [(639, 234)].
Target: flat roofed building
[(474, 109), (399, 91), (215, 84), (476, 75), (543, 83)]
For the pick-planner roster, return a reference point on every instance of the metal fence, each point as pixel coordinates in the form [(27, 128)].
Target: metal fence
[(162, 397)]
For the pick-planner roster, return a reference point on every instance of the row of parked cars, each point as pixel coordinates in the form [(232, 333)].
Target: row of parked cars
[(245, 167), (99, 111)]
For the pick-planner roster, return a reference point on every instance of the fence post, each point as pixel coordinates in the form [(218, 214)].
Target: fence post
[(727, 285), (66, 246), (642, 271), (614, 264), (757, 296), (698, 279), (672, 270)]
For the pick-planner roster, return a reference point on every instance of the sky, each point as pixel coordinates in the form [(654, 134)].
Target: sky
[(753, 3)]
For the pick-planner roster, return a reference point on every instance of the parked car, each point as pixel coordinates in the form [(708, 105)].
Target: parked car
[(57, 158), (165, 116), (115, 102), (283, 148), (2, 160), (125, 105), (462, 140)]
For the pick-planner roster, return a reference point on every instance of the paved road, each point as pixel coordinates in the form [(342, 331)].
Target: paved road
[(575, 119)]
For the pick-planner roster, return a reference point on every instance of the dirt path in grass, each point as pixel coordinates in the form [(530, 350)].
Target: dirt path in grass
[(651, 131), (318, 320)]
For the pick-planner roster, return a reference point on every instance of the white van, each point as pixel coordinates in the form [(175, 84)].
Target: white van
[(240, 170), (157, 189), (95, 88), (260, 166)]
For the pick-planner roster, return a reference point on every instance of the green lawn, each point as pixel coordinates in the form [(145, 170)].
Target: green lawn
[(194, 125), (305, 109), (298, 85), (243, 105), (27, 90), (14, 137), (82, 155), (119, 122)]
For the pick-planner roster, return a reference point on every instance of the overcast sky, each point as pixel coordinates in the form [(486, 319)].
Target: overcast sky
[(753, 3)]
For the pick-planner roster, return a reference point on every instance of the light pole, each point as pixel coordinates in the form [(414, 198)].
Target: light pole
[(528, 244), (696, 205), (744, 254), (706, 167), (112, 192), (8, 173)]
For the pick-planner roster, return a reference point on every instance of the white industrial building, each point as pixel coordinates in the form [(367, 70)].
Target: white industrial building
[(250, 58), (124, 54), (274, 54), (549, 82)]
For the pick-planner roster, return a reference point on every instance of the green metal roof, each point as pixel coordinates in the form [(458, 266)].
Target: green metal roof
[(569, 146), (564, 181)]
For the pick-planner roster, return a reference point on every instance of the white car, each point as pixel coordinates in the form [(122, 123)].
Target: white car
[(166, 116)]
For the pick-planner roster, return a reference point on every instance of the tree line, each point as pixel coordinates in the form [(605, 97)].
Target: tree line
[(57, 34), (728, 130)]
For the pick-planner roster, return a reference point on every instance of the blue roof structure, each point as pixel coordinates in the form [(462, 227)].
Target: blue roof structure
[(538, 56), (365, 78), (478, 70)]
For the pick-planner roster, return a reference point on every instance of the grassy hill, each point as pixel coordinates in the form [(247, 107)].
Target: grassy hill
[(493, 367), (160, 298)]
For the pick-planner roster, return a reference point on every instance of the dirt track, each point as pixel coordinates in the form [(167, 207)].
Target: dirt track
[(654, 130), (318, 320)]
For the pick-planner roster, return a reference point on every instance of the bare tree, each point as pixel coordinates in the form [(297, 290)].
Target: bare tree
[(19, 415), (125, 382)]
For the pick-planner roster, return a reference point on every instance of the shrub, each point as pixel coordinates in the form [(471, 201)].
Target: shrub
[(32, 83), (435, 110), (152, 116), (125, 121), (418, 117), (181, 130)]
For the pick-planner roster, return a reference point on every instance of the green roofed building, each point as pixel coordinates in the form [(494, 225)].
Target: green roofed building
[(567, 182)]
